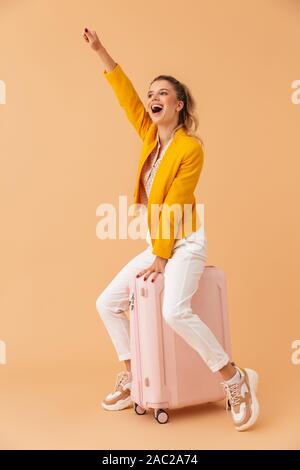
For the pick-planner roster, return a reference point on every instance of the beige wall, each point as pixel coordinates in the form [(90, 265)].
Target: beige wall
[(66, 146)]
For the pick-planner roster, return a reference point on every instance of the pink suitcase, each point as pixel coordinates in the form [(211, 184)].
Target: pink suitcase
[(166, 372)]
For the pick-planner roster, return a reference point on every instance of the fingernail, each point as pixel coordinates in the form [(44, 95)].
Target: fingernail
[(86, 30)]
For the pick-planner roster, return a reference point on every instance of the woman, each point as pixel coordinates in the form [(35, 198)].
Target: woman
[(165, 129)]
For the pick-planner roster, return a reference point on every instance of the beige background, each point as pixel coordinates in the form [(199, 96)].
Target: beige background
[(65, 148)]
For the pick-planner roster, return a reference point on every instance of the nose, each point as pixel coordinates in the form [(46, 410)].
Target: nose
[(153, 99)]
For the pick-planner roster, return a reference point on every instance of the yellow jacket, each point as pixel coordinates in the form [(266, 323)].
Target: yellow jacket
[(177, 174)]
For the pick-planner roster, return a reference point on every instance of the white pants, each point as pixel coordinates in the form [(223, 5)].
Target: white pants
[(181, 278)]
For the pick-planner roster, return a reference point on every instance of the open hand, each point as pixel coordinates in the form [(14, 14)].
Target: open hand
[(92, 38)]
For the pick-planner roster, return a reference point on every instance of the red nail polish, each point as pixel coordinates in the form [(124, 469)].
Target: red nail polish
[(86, 30)]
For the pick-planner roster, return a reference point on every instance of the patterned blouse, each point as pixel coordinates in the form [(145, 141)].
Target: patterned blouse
[(150, 167)]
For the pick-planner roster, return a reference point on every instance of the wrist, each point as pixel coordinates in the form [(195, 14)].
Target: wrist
[(162, 259), (101, 51)]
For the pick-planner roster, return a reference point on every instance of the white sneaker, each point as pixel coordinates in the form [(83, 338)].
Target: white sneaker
[(242, 398), (120, 398)]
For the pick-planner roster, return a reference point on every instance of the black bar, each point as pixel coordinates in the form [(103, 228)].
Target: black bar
[(133, 458)]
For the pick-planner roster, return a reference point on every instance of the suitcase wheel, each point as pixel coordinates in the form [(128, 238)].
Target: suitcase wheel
[(139, 410), (161, 416)]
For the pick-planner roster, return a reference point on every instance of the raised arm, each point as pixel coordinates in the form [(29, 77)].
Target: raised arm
[(122, 86)]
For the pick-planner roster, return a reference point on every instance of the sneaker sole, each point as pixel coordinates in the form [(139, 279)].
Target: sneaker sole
[(253, 383), (120, 405)]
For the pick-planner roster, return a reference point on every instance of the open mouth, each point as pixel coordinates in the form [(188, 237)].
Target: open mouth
[(156, 109)]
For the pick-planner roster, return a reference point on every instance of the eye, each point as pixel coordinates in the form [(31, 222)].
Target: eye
[(150, 94)]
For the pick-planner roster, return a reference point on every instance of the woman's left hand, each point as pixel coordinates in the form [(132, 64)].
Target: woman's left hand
[(158, 266)]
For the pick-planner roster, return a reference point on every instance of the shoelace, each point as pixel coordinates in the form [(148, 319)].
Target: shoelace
[(122, 379), (232, 394)]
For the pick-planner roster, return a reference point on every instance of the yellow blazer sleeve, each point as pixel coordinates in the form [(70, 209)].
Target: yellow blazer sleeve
[(181, 192), (129, 100)]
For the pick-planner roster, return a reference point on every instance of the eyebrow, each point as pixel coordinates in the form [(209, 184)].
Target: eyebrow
[(151, 91)]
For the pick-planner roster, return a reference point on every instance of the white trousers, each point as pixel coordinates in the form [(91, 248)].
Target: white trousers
[(181, 278)]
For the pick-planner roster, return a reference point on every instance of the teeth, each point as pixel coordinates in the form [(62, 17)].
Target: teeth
[(157, 106)]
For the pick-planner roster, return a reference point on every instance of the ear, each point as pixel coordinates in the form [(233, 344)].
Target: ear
[(179, 106)]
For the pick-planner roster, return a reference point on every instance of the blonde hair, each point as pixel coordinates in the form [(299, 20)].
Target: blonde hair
[(187, 115)]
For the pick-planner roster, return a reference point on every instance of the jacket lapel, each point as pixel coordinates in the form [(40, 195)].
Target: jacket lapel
[(170, 153), (166, 162)]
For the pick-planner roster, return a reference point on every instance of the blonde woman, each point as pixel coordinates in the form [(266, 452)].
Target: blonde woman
[(170, 165)]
